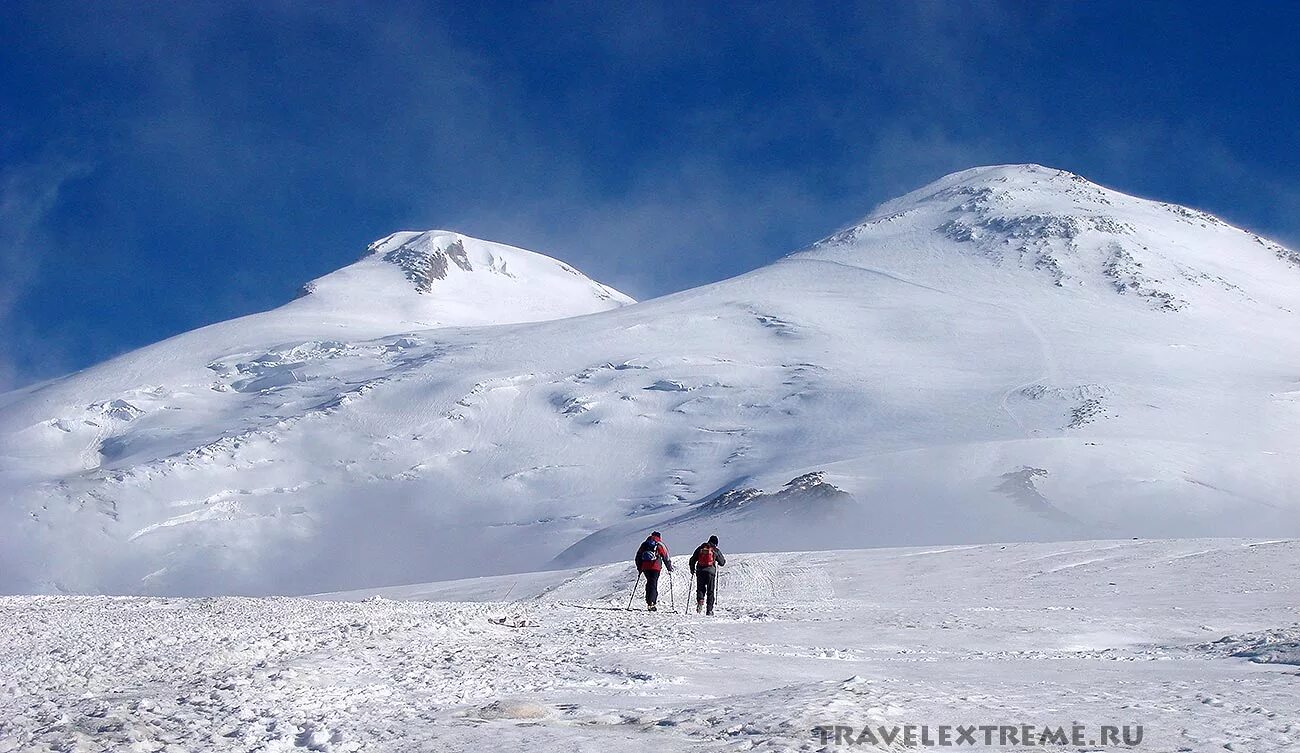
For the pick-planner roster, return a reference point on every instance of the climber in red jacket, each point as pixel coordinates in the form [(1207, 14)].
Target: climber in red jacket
[(704, 566), (650, 558)]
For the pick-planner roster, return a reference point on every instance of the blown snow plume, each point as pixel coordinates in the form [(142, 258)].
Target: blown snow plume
[(1010, 353)]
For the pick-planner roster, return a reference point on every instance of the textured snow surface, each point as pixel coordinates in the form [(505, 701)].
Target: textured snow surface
[(1098, 633), (1010, 353)]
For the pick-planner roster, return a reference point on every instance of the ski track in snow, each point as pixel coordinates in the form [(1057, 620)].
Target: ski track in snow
[(1193, 639)]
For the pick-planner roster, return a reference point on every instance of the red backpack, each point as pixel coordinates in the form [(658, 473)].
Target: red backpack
[(705, 557)]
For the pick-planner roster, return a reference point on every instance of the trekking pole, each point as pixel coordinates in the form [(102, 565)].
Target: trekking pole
[(632, 595), (672, 598)]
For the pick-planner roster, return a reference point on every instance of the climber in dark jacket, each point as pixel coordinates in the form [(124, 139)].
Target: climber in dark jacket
[(652, 556), (704, 566)]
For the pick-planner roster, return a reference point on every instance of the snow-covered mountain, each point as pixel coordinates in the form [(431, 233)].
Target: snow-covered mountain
[(1010, 353)]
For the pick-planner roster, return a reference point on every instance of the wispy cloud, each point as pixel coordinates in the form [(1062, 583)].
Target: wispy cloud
[(28, 192), (242, 149)]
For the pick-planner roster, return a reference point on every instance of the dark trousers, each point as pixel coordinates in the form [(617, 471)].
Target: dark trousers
[(651, 586), (706, 585)]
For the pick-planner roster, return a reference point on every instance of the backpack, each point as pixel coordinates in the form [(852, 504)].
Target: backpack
[(704, 558), (649, 552)]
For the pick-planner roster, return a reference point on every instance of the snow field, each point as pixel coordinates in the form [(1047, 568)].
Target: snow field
[(1188, 638)]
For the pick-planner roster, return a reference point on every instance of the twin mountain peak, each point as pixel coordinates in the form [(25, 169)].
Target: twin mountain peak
[(979, 223)]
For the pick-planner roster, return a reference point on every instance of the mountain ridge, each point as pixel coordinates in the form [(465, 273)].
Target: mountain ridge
[(898, 383)]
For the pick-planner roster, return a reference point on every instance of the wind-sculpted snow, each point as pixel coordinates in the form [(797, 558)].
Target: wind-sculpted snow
[(1278, 646), (1174, 637), (1011, 353)]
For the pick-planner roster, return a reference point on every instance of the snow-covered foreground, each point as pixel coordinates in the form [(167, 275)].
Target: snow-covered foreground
[(1098, 633)]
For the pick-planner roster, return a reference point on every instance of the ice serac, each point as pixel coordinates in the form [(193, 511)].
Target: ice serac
[(1010, 353)]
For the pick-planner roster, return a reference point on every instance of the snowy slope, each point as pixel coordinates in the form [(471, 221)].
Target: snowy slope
[(1011, 353), (1194, 640), (406, 282)]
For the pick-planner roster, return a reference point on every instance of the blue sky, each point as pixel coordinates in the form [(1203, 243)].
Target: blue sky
[(165, 166)]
